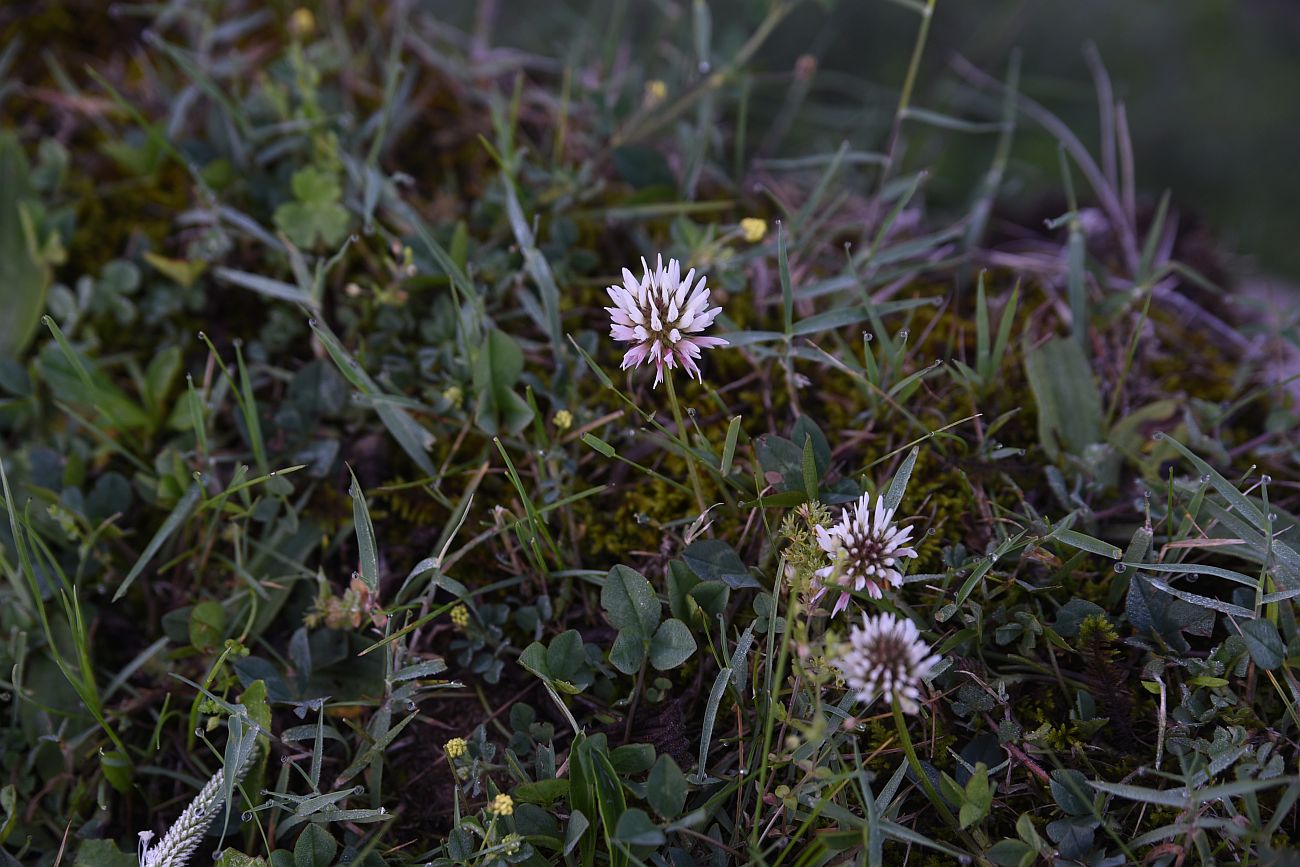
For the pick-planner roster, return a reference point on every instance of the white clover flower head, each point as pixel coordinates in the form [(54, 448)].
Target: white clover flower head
[(886, 657), (662, 315), (864, 548)]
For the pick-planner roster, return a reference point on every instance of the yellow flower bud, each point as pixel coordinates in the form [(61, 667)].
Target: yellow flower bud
[(460, 616), (655, 92), (563, 420), (502, 805), (302, 22), (455, 748), (752, 229)]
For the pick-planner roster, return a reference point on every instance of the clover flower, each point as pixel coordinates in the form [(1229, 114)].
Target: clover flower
[(864, 548), (502, 805), (886, 657), (455, 748), (663, 314), (460, 616)]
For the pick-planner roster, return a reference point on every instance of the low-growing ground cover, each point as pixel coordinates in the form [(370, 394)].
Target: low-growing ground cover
[(420, 451)]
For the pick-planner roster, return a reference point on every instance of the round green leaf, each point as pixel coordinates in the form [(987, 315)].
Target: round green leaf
[(672, 645), (628, 652)]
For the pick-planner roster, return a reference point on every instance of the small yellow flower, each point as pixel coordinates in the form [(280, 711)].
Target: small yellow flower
[(302, 22), (655, 92), (511, 844), (752, 229), (453, 395), (460, 616), (502, 805), (563, 420), (455, 748)]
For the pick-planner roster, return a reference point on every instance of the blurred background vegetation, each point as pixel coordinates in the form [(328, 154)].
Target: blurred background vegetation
[(1210, 86), (1211, 89)]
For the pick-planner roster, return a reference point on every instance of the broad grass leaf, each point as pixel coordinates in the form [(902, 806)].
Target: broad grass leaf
[(367, 547), (179, 515), (24, 277), (499, 364), (1069, 405)]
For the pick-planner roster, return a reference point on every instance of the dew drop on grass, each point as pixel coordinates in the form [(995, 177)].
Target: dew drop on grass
[(198, 731), (868, 336), (1266, 479), (1158, 435), (410, 705), (690, 411), (903, 334), (284, 760), (358, 790), (247, 816), (1120, 567), (311, 323), (1205, 479), (704, 67), (1272, 516)]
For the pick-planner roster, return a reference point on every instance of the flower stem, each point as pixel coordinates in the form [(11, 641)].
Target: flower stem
[(928, 787), (977, 845), (684, 437)]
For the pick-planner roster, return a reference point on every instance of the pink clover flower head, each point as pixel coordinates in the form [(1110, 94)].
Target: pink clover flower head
[(662, 315)]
